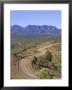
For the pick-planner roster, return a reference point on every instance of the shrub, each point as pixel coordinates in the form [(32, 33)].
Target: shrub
[(43, 73), (41, 58), (34, 60), (48, 56)]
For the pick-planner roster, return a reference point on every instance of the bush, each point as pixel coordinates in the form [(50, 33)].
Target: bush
[(41, 58), (43, 73), (48, 56), (34, 60)]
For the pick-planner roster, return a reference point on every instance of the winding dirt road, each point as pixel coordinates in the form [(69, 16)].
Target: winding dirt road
[(26, 66)]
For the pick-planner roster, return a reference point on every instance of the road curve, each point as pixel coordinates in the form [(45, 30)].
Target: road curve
[(26, 66)]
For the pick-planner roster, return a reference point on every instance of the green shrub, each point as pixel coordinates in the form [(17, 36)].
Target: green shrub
[(41, 58), (34, 60), (48, 56), (43, 73)]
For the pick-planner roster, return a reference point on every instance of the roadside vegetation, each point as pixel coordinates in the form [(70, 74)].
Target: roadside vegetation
[(46, 67), (44, 73)]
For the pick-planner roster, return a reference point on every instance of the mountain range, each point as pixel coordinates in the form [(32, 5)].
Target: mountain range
[(36, 30)]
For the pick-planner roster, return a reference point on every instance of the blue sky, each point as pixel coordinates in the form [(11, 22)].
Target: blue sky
[(35, 17)]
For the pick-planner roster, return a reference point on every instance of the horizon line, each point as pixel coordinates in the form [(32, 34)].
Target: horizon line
[(35, 25)]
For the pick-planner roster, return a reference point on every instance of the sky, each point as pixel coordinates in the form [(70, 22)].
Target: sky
[(35, 17)]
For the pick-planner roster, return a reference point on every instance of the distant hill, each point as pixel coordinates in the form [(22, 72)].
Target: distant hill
[(36, 30)]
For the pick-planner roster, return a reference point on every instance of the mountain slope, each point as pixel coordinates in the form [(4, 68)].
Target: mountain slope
[(36, 30)]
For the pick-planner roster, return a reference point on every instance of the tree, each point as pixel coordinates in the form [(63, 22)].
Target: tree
[(34, 60), (48, 56), (43, 73)]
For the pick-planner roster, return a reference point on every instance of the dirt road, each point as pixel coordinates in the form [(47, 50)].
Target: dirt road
[(26, 66)]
